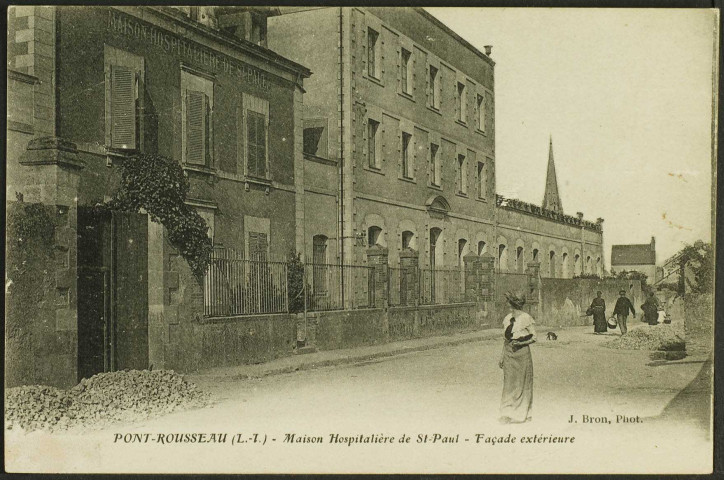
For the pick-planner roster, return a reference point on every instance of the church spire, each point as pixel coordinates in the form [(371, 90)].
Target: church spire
[(551, 199)]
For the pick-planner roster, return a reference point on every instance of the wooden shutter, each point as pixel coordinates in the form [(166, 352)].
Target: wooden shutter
[(197, 105), (123, 107), (256, 144)]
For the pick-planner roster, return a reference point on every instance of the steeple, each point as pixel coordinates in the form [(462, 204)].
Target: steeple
[(551, 199)]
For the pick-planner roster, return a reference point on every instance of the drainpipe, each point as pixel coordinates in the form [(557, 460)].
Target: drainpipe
[(341, 235), (583, 258)]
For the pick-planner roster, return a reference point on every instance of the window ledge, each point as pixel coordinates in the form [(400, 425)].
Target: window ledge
[(372, 79), (20, 127), (378, 171), (479, 199), (407, 179), (477, 130), (433, 109), (435, 187), (258, 180), (199, 169), (462, 194), (314, 158), (460, 122), (407, 96)]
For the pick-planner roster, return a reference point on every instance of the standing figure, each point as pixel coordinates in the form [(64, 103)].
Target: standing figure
[(623, 306), (651, 309), (517, 363), (598, 309)]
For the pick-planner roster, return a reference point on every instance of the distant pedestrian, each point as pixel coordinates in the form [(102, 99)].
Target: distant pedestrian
[(517, 363), (651, 309), (598, 310), (623, 306)]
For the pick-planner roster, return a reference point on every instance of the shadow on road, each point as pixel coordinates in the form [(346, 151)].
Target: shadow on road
[(692, 405)]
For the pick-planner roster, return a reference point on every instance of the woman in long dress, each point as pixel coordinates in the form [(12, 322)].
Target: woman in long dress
[(651, 309), (598, 308), (517, 363)]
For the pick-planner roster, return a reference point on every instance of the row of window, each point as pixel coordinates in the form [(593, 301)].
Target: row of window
[(124, 118), (374, 161), (554, 268), (434, 86)]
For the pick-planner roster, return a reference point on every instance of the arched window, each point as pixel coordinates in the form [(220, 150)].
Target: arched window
[(552, 264), (588, 265), (599, 267), (519, 259), (535, 254), (461, 251), (564, 266), (373, 235), (481, 247), (577, 265), (408, 239), (502, 257), (434, 238)]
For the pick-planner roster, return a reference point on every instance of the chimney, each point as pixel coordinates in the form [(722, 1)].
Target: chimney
[(653, 243), (488, 49), (579, 215)]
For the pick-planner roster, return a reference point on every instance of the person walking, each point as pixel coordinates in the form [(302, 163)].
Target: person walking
[(516, 361), (598, 310), (651, 309), (623, 306)]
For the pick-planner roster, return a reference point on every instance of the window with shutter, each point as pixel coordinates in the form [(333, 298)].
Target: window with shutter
[(372, 144), (256, 144), (123, 107), (481, 113), (197, 118), (196, 127)]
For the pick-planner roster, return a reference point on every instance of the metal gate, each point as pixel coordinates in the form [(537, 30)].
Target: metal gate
[(112, 291)]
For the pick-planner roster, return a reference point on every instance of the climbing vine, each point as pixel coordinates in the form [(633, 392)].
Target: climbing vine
[(159, 186)]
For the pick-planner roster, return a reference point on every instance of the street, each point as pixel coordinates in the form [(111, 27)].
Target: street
[(607, 400)]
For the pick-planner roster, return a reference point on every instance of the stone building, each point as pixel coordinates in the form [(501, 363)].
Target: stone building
[(636, 258), (400, 147), (89, 86)]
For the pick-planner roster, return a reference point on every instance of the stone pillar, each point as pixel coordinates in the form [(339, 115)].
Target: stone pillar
[(51, 177), (473, 277), (533, 294), (409, 277), (377, 258), (487, 277)]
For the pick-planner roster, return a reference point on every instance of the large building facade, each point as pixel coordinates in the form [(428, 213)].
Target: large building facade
[(400, 147), (90, 86)]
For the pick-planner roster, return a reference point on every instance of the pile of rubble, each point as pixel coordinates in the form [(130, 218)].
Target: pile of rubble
[(103, 399), (665, 337)]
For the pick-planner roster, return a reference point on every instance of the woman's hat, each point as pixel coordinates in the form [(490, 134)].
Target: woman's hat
[(515, 299), (622, 292)]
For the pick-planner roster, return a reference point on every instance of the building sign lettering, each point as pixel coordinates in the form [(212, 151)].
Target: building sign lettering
[(190, 51)]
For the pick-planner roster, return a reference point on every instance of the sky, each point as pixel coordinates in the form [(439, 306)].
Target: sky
[(626, 96)]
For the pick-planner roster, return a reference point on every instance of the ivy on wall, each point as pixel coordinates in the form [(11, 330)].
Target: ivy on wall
[(159, 186)]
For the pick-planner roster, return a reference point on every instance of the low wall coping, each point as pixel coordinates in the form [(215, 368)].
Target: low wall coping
[(241, 318)]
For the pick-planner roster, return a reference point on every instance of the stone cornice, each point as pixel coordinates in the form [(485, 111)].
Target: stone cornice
[(537, 211), (51, 151)]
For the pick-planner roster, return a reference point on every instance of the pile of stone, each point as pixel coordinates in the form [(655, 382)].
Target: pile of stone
[(103, 399), (664, 337)]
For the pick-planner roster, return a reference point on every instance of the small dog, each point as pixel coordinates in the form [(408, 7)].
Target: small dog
[(552, 336)]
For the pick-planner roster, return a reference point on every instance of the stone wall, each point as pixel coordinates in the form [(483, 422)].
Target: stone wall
[(699, 322), (40, 299), (564, 301)]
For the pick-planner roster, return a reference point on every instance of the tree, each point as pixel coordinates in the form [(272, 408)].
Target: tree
[(699, 258)]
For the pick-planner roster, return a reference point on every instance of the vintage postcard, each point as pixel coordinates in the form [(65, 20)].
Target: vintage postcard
[(360, 239)]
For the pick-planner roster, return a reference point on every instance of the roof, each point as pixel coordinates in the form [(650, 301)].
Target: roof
[(239, 44), (633, 255)]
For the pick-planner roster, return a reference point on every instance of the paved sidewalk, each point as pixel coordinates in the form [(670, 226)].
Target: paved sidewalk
[(328, 358)]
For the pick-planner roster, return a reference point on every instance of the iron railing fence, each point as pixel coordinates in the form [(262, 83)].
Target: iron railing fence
[(339, 287), (441, 285), (236, 286)]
